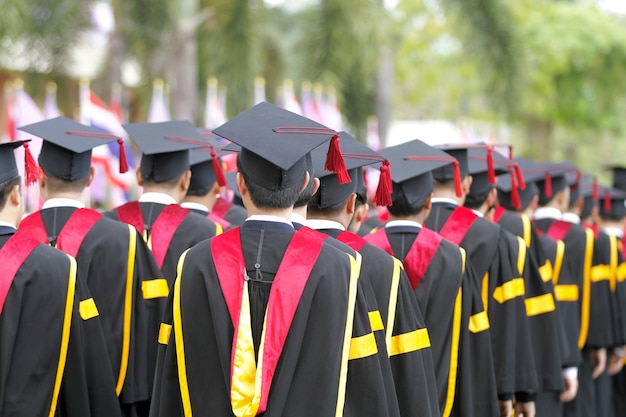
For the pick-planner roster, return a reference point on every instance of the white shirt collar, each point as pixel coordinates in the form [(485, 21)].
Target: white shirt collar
[(192, 205), (396, 223), (614, 231), (62, 202), (268, 218), (547, 213), (158, 198), (478, 213), (298, 219), (318, 224), (7, 224), (570, 217), (444, 200)]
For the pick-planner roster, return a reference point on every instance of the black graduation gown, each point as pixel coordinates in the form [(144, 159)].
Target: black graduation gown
[(130, 314), (413, 369), (540, 303), (573, 295), (193, 229), (493, 253), (464, 365), (307, 377), (31, 338)]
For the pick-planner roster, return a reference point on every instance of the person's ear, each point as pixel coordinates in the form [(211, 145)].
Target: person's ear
[(428, 204), (241, 185), (92, 174), (316, 185), (307, 177), (139, 177), (350, 204), (185, 180)]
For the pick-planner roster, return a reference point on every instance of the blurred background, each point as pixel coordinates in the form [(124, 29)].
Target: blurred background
[(548, 76)]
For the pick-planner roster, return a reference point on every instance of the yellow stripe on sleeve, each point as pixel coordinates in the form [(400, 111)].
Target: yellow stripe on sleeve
[(155, 288), (363, 346), (479, 322), (509, 290), (376, 321), (540, 304), (409, 342), (165, 330)]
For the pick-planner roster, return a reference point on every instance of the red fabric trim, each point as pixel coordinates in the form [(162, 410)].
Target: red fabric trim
[(73, 233), (420, 255), (221, 207), (356, 242), (285, 294), (33, 225), (216, 219), (130, 213), (12, 257), (163, 229), (591, 227), (379, 239), (458, 224), (497, 215), (558, 229)]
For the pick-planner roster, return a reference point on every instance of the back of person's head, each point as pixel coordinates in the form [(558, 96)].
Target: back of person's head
[(268, 198)]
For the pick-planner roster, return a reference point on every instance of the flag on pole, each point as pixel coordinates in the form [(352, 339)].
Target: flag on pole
[(158, 111), (214, 114), (8, 134), (25, 112), (308, 106), (331, 114), (94, 112)]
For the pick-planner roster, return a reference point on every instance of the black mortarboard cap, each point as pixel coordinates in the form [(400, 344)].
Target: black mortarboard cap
[(447, 172), (66, 148), (356, 155), (205, 164), (619, 177), (8, 166), (165, 147), (274, 142), (485, 164), (517, 188), (411, 166), (614, 203)]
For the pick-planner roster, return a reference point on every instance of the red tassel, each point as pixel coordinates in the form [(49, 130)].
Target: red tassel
[(383, 191), (123, 162), (219, 174), (491, 173), (520, 177), (515, 200), (595, 196), (457, 179), (335, 162), (548, 188), (607, 201), (31, 168), (511, 152)]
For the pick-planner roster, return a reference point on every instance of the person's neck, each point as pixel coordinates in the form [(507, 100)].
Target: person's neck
[(67, 195), (300, 211), (322, 216), (445, 193), (419, 218), (10, 216), (613, 224), (205, 200), (283, 213), (163, 190)]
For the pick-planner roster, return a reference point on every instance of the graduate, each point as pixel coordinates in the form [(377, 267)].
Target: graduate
[(265, 319), (207, 178), (164, 174), (517, 199), (51, 342), (330, 211), (491, 253), (447, 290), (573, 288), (118, 267)]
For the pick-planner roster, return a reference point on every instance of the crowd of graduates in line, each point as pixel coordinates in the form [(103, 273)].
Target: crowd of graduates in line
[(491, 286)]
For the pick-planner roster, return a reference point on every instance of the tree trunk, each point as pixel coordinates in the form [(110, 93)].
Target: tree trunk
[(185, 63), (384, 92), (540, 142)]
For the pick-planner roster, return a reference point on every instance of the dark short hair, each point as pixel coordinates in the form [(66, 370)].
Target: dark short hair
[(314, 208), (198, 192), (271, 199), (169, 183), (60, 185), (305, 196), (401, 205), (5, 189), (473, 201)]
